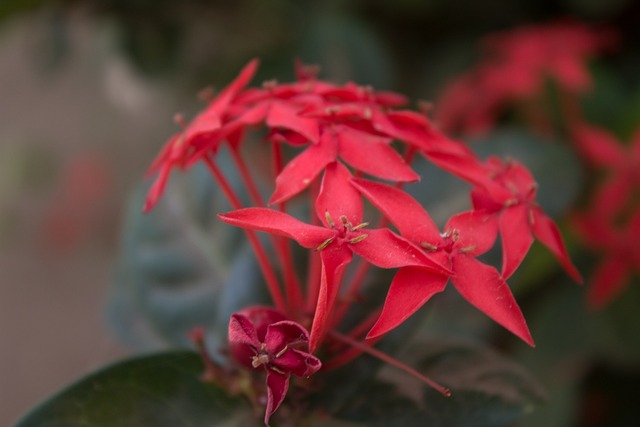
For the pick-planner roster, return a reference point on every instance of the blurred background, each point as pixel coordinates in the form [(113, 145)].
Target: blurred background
[(88, 90)]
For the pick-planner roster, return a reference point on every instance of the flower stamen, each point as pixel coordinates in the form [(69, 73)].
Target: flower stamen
[(281, 352), (324, 244), (259, 360), (359, 226), (360, 238), (428, 246), (327, 216)]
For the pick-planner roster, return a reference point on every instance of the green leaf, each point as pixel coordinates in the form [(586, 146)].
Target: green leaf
[(570, 339), (179, 267), (158, 390), (487, 390)]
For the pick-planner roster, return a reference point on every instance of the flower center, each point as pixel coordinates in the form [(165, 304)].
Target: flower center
[(344, 232), (264, 357)]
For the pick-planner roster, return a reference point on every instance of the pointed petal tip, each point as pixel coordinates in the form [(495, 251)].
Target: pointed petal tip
[(530, 341), (149, 203), (524, 334), (374, 333)]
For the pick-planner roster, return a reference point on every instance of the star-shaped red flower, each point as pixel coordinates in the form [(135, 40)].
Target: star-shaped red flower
[(339, 207), (509, 192), (466, 236)]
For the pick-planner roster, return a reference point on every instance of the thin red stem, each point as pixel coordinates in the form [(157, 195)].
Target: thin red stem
[(360, 329), (212, 372), (291, 282), (347, 356), (246, 176), (390, 360), (261, 255), (353, 288)]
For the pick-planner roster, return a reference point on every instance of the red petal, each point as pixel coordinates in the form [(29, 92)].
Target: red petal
[(277, 387), (612, 195), (255, 114), (334, 259), (385, 249), (298, 362), (283, 114), (478, 231), (209, 120), (242, 80), (210, 145), (598, 145), (281, 224), (515, 233), (464, 166), (242, 331), (608, 280), (164, 156), (303, 169), (261, 317), (157, 188), (282, 333), (338, 197), (243, 339), (204, 124), (547, 232), (389, 99), (401, 209), (483, 287), (373, 155), (571, 73), (410, 289)]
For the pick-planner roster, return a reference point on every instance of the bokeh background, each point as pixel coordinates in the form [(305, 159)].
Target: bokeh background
[(88, 90)]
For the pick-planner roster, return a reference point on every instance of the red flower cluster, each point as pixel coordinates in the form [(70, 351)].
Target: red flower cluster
[(340, 134), (515, 67), (611, 224), (513, 73)]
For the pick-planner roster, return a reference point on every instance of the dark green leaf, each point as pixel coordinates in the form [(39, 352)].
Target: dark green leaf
[(179, 267), (571, 338), (158, 390), (487, 390)]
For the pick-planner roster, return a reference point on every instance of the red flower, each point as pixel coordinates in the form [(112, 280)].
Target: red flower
[(509, 192), (207, 129), (261, 338), (515, 68), (368, 153), (621, 254), (339, 207), (603, 150), (354, 127), (466, 236)]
